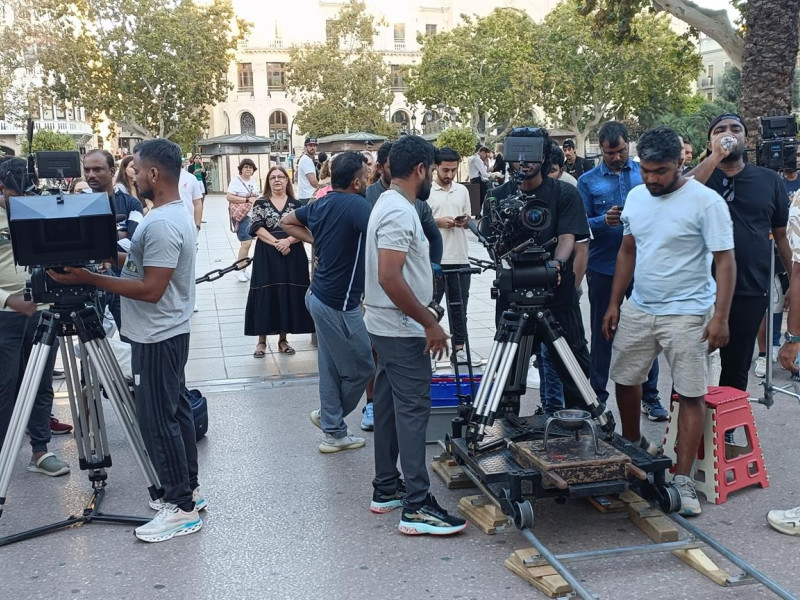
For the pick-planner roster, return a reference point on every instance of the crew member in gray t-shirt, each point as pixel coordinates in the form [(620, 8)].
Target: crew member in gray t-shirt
[(398, 287), (157, 290)]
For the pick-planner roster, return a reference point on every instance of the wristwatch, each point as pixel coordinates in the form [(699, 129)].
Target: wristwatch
[(791, 339)]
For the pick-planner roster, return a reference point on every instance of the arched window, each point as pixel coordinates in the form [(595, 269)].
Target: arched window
[(279, 131), (402, 119), (247, 123)]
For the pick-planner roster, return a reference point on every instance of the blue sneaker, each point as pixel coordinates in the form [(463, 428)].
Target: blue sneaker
[(368, 418), (654, 410)]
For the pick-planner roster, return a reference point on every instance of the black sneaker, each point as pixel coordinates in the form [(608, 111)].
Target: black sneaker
[(654, 410), (430, 518), (384, 503)]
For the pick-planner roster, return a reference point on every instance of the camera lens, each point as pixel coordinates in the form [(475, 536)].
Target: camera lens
[(534, 217)]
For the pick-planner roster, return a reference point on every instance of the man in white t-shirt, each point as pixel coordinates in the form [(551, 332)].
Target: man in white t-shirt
[(191, 191), (307, 172), (449, 202)]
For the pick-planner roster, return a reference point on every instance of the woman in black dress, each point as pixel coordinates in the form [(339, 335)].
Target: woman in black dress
[(279, 280)]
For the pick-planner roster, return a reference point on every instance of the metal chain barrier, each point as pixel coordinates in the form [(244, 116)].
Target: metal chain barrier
[(218, 273)]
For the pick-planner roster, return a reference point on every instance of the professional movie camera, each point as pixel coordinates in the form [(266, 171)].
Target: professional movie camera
[(513, 233), (777, 147), (50, 229)]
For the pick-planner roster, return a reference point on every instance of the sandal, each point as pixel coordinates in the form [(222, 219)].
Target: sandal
[(284, 347), (260, 353)]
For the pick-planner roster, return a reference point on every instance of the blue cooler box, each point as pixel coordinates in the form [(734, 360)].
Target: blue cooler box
[(444, 404)]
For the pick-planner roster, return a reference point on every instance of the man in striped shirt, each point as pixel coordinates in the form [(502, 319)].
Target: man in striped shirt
[(337, 225)]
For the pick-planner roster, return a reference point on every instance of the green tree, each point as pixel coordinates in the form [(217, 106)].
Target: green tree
[(151, 66), (693, 120), (590, 78), (460, 139), (763, 42), (47, 139), (342, 85), (731, 90), (482, 68)]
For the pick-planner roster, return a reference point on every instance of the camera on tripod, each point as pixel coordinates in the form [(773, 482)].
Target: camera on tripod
[(777, 147), (53, 230)]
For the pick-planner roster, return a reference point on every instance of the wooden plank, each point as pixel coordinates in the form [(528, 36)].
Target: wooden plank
[(483, 514), (699, 560), (658, 528), (451, 473), (545, 578)]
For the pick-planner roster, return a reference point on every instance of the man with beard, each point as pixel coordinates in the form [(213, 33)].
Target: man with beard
[(575, 165), (759, 206), (337, 226), (676, 306), (399, 286), (603, 191), (567, 224), (158, 290)]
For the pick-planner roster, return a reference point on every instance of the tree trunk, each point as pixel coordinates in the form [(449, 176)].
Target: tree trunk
[(770, 56)]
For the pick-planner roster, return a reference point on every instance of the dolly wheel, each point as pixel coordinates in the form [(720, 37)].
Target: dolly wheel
[(669, 498), (523, 515)]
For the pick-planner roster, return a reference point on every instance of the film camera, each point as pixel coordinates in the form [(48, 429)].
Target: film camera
[(514, 230), (54, 230), (777, 147)]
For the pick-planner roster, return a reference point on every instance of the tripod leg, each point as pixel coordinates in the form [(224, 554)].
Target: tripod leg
[(22, 412), (72, 377)]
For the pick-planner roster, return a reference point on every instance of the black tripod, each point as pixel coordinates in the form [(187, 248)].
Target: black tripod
[(100, 368), (517, 329)]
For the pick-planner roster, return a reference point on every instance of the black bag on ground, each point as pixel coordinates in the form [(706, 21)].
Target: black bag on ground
[(199, 411)]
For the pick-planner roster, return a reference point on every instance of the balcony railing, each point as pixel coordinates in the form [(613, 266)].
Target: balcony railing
[(70, 127)]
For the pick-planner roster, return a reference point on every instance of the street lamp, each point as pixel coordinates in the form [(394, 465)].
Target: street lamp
[(414, 124)]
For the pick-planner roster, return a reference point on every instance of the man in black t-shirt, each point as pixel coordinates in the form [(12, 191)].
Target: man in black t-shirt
[(759, 205), (567, 224), (573, 164), (337, 226)]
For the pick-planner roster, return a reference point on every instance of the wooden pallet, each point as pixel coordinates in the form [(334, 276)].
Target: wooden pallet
[(545, 578)]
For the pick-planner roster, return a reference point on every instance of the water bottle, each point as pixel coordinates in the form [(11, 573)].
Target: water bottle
[(728, 143)]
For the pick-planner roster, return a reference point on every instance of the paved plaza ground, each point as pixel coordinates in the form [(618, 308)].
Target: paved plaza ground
[(286, 522)]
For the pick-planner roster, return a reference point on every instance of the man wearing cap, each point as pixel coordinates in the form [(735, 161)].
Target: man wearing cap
[(759, 206), (574, 165), (307, 172)]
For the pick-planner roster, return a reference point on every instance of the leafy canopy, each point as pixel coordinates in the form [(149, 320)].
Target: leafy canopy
[(482, 68), (342, 85), (460, 139), (152, 66), (47, 139)]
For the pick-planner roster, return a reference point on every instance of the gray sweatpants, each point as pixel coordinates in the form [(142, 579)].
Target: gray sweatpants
[(165, 415), (402, 404)]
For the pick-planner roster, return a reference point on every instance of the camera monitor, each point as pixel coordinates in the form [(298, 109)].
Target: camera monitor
[(524, 149), (62, 230), (58, 165)]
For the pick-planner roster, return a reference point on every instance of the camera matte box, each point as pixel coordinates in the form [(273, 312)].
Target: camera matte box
[(62, 230)]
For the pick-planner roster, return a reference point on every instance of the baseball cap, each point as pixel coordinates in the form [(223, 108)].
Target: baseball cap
[(310, 140), (568, 144)]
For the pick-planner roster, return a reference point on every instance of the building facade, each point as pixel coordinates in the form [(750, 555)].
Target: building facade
[(714, 62), (260, 103)]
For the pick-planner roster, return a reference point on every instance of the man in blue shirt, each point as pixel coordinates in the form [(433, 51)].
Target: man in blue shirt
[(337, 226), (603, 191)]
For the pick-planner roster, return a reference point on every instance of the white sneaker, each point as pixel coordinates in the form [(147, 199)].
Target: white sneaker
[(241, 276), (461, 357), (690, 505), (200, 503), (316, 419), (169, 522), (349, 442), (761, 366), (785, 521)]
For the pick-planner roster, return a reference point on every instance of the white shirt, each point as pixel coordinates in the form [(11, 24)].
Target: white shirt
[(451, 203), (189, 190), (305, 166), (567, 178), (477, 168)]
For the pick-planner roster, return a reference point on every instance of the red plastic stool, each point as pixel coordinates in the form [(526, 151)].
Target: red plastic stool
[(722, 468)]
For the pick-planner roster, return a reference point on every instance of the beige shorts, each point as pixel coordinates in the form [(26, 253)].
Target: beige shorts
[(641, 337)]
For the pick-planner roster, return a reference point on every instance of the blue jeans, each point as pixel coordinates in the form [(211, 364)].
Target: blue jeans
[(777, 323), (16, 343), (599, 295), (345, 362), (551, 390)]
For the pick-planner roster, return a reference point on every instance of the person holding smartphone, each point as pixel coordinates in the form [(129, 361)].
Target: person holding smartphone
[(449, 202)]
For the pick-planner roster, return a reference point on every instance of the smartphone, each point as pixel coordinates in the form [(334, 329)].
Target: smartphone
[(460, 218)]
